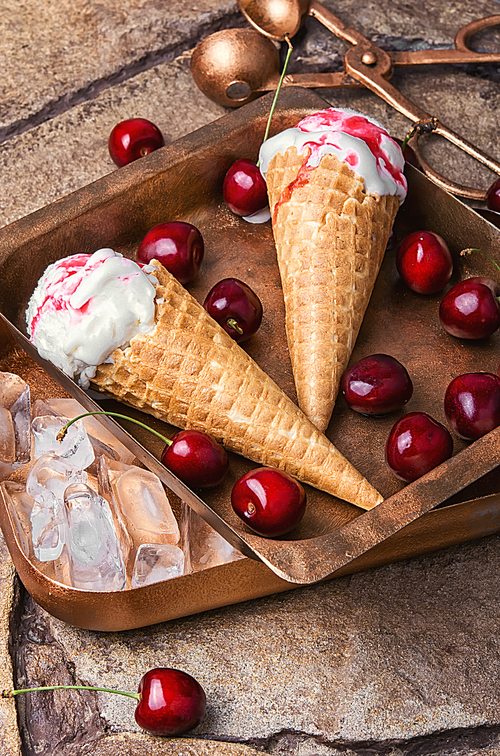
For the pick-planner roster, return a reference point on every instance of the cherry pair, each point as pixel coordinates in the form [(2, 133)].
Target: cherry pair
[(470, 309)]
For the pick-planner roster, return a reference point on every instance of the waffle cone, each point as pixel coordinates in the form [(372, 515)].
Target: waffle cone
[(190, 373), (330, 239)]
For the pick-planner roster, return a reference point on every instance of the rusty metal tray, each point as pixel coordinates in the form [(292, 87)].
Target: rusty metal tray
[(183, 181)]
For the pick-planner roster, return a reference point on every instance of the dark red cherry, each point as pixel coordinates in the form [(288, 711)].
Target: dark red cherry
[(171, 702), (493, 196), (244, 189), (236, 307), (177, 245), (269, 501), (424, 262), (470, 309), (376, 385), (472, 404), (196, 458), (133, 139), (416, 444)]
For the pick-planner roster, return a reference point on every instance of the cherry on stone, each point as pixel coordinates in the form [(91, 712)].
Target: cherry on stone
[(471, 309), (472, 404), (493, 196), (177, 245), (269, 501), (244, 189), (376, 385), (133, 139), (236, 307), (416, 444), (424, 262), (196, 458), (170, 702)]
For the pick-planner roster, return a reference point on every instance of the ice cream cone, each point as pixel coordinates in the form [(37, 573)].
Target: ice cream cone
[(188, 372), (331, 233)]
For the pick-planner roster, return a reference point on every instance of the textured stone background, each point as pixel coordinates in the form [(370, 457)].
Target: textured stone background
[(399, 661)]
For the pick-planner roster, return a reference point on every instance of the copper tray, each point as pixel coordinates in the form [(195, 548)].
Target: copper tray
[(184, 181)]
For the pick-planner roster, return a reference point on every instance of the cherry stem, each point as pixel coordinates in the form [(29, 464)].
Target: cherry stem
[(231, 322), (469, 250), (61, 434), (420, 127), (10, 693), (278, 88)]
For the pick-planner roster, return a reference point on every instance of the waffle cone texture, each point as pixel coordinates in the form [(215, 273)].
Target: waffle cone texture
[(330, 240), (190, 373)]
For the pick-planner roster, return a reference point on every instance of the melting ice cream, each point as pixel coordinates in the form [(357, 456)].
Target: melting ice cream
[(85, 306), (355, 139)]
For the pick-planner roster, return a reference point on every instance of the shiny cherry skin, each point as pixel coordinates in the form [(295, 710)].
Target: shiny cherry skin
[(269, 501), (376, 385), (244, 189), (171, 702), (196, 458), (177, 245), (493, 196), (472, 404), (424, 262), (133, 139), (416, 444), (236, 307), (470, 309)]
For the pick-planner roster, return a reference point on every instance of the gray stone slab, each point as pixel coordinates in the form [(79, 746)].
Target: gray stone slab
[(71, 150), (56, 54), (392, 657)]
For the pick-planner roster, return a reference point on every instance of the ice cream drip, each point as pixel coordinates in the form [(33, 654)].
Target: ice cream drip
[(355, 139)]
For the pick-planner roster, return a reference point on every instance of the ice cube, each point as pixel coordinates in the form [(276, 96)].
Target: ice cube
[(140, 497), (101, 439), (52, 474), (19, 506), (15, 437), (155, 562), (47, 480), (75, 446), (7, 437), (92, 548), (202, 545)]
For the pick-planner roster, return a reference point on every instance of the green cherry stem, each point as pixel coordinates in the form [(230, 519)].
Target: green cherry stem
[(11, 693), (278, 88), (61, 434), (231, 322), (469, 251)]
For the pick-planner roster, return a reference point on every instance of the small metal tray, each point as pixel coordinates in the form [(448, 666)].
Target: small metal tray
[(183, 181)]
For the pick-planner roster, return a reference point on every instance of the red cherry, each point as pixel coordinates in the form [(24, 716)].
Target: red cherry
[(424, 262), (171, 702), (133, 139), (196, 458), (472, 404), (244, 189), (470, 309), (269, 501), (376, 385), (236, 307), (493, 196), (416, 444), (177, 245)]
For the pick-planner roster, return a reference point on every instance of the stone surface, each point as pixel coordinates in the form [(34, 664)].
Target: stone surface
[(390, 657), (398, 661), (55, 55), (10, 742)]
